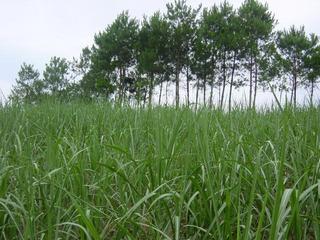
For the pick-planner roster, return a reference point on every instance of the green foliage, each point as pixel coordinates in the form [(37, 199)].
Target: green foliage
[(293, 45), (153, 49), (270, 68), (117, 42), (181, 18), (55, 75), (97, 171), (113, 54), (312, 60), (297, 51), (29, 87), (80, 67), (153, 43), (257, 22)]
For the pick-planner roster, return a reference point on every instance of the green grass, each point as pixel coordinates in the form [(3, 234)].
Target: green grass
[(93, 171)]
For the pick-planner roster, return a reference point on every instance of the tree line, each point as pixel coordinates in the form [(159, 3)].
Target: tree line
[(208, 48)]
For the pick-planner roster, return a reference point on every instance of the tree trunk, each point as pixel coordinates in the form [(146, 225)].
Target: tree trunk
[(138, 99), (188, 87), (177, 87), (231, 81), (212, 81), (224, 81), (204, 90), (222, 93), (160, 94), (204, 86), (311, 95), (250, 83), (119, 86), (295, 82), (167, 93), (144, 98), (295, 91), (138, 95), (211, 95), (197, 94), (122, 77), (255, 84), (219, 94), (291, 95), (151, 88)]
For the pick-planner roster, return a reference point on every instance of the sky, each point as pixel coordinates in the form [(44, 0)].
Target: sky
[(33, 31)]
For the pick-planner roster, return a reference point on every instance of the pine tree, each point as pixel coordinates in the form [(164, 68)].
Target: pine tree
[(312, 65), (153, 50), (293, 45), (55, 76), (29, 87), (114, 54), (181, 19), (258, 23)]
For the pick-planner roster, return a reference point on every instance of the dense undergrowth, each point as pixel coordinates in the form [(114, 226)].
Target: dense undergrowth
[(95, 171)]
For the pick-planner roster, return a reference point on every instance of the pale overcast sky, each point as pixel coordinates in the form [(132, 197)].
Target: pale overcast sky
[(34, 30)]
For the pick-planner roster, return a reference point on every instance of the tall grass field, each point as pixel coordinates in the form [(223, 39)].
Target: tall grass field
[(98, 171)]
